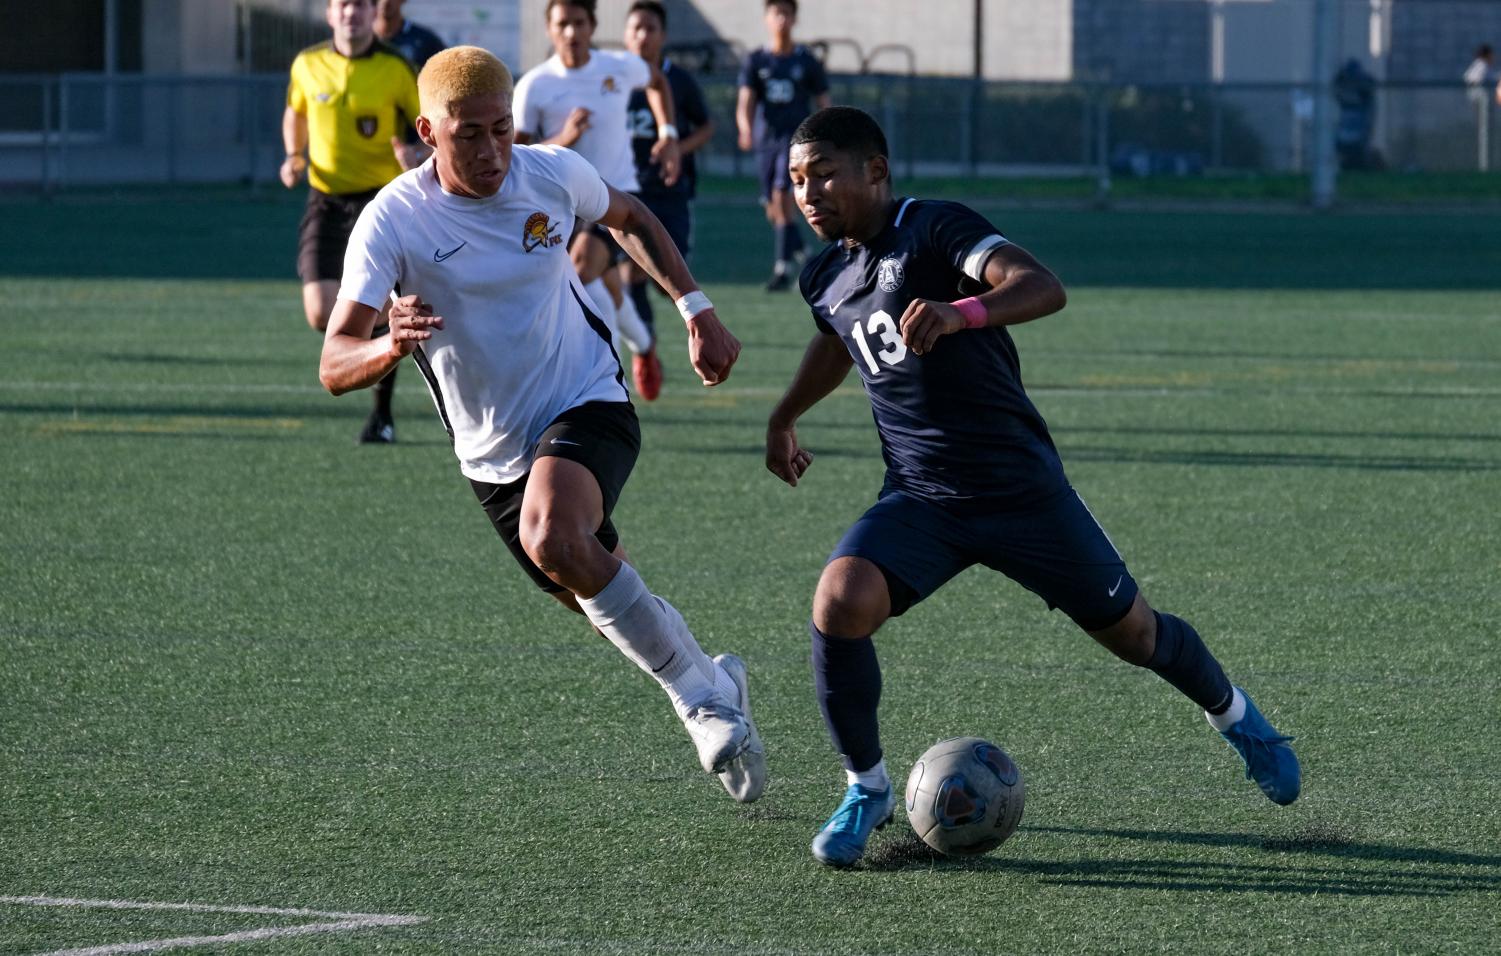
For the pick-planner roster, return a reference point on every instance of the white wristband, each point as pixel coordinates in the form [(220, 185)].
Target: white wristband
[(692, 304), (667, 131)]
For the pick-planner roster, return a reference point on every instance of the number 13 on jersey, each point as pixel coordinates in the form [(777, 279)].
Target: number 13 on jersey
[(882, 326)]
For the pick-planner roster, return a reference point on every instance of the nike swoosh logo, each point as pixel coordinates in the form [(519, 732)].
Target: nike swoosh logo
[(1111, 592), (564, 441), (440, 256), (837, 305)]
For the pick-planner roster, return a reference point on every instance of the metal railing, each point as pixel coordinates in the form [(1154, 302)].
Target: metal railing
[(59, 132)]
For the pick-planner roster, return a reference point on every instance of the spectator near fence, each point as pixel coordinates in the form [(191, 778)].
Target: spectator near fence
[(1481, 73), (1355, 93)]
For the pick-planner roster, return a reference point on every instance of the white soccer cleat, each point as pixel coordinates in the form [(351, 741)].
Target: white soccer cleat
[(744, 776), (719, 733)]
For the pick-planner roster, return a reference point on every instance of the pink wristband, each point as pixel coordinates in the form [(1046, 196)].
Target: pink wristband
[(973, 311)]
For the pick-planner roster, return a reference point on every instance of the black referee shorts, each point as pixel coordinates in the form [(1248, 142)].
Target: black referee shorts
[(605, 438), (323, 235)]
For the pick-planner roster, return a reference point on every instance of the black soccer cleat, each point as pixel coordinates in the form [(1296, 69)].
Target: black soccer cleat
[(379, 430), (779, 282)]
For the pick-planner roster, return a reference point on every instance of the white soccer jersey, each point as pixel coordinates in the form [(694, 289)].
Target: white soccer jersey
[(550, 91), (517, 347)]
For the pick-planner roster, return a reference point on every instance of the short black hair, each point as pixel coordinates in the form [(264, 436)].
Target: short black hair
[(1484, 51), (586, 5), (649, 6), (783, 3), (846, 128)]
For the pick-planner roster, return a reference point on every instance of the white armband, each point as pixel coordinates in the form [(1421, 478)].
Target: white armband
[(692, 304)]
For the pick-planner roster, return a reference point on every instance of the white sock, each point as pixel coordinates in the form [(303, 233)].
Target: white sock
[(634, 620), (604, 306), (875, 778), (1231, 716), (688, 644), (632, 329)]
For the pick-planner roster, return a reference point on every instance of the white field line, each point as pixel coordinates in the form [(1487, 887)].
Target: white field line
[(336, 923), (734, 391)]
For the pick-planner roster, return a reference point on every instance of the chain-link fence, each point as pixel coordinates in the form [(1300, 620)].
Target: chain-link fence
[(58, 132)]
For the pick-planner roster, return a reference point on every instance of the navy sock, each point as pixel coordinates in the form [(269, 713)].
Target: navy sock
[(642, 300), (792, 243), (781, 252), (1182, 660), (848, 681)]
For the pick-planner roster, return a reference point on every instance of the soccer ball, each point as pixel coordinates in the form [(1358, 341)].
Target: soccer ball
[(964, 796)]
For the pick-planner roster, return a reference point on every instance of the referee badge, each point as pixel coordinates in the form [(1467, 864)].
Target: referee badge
[(538, 231), (366, 125)]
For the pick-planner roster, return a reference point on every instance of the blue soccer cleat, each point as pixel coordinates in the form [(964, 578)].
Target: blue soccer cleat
[(1269, 759), (841, 842)]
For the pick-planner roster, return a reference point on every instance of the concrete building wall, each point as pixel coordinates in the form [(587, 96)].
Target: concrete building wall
[(1143, 41)]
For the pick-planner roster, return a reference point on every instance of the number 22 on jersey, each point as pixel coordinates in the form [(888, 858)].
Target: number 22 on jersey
[(882, 326)]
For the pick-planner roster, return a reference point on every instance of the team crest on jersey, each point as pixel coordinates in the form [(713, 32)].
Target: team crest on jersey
[(607, 85), (538, 231), (324, 97), (366, 125), (890, 275)]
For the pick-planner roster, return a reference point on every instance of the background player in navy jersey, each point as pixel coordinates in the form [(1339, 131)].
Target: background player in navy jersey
[(779, 85), (972, 476), (412, 40), (672, 204)]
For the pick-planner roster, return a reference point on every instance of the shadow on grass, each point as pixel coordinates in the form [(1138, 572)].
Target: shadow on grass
[(1327, 862)]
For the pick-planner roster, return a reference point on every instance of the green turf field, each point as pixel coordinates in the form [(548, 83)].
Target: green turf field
[(244, 663)]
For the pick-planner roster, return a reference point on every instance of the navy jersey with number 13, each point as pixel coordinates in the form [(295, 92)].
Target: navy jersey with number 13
[(956, 425)]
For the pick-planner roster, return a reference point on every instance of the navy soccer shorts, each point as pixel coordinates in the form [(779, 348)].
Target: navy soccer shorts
[(771, 163), (1054, 549), (675, 212), (605, 438)]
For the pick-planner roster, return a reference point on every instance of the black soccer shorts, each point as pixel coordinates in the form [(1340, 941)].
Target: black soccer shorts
[(323, 234), (605, 438)]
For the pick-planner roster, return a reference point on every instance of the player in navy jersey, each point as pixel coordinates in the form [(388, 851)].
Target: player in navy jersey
[(972, 476), (779, 86), (672, 204), (412, 40)]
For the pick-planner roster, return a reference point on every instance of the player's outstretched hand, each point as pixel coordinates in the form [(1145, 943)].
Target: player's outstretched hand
[(711, 348), (669, 158), (292, 169), (925, 320), (783, 458), (412, 322)]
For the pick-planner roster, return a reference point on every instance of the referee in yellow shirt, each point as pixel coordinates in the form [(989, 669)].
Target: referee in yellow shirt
[(350, 105)]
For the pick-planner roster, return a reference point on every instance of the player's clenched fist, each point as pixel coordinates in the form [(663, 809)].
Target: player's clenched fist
[(783, 457), (925, 320), (292, 169), (711, 348), (412, 321)]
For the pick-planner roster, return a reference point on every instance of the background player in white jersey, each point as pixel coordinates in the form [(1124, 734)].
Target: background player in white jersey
[(579, 98), (523, 373)]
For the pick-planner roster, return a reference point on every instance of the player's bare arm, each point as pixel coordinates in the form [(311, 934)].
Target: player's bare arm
[(352, 359), (294, 139), (745, 117), (1021, 289), (712, 350), (664, 152), (825, 364)]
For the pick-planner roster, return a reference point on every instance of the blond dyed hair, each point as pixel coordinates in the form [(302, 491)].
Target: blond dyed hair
[(459, 72)]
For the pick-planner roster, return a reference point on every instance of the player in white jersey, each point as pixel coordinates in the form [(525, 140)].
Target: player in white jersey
[(580, 98), (523, 372)]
